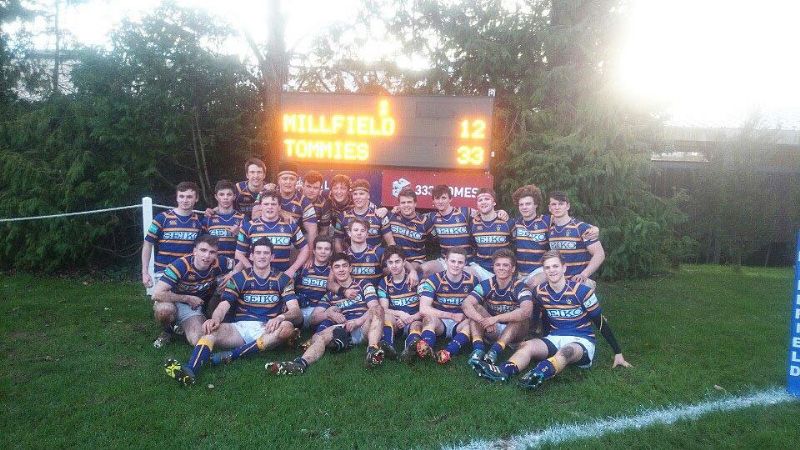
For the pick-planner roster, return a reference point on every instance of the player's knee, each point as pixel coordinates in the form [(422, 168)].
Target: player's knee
[(569, 352), (164, 312), (285, 327)]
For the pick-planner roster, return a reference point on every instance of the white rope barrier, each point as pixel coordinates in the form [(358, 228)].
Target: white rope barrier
[(81, 213)]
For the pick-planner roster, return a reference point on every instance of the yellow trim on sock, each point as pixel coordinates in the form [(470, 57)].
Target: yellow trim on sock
[(261, 343), (206, 342), (501, 344), (555, 364)]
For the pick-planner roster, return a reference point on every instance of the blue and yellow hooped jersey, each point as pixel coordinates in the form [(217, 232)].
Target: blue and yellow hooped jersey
[(452, 230), (411, 234), (570, 311), (245, 199), (367, 265), (323, 208), (568, 239), (401, 296), (499, 300), (447, 295), (300, 208), (530, 241), (355, 307), (311, 284), (488, 237), (219, 225), (183, 277), (260, 299), (377, 226), (173, 236), (281, 233)]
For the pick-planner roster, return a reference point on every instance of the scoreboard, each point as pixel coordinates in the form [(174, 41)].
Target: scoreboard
[(432, 132)]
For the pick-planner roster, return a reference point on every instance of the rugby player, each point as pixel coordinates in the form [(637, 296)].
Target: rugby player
[(247, 191), (450, 227), (410, 229), (499, 308), (440, 299), (312, 190), (224, 221), (348, 322), (311, 283), (294, 203), (264, 306), (282, 232), (378, 230), (582, 256), (572, 309), (400, 303), (187, 283), (489, 233)]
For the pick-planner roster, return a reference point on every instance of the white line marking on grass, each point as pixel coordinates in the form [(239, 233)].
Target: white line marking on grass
[(663, 416)]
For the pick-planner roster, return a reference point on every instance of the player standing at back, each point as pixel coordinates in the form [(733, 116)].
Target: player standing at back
[(582, 256), (312, 189), (378, 230), (247, 191), (489, 233), (572, 309), (450, 227), (411, 229), (294, 203)]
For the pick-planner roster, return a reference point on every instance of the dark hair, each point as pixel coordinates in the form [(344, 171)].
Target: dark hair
[(529, 190), (223, 185), (360, 184), (341, 179), (323, 238), (339, 256), (213, 241), (504, 253), (254, 162), (184, 186), (407, 191), (312, 176), (441, 189), (456, 250), (552, 254), (269, 194), (489, 191), (263, 241), (358, 220), (560, 196), (287, 166), (393, 250)]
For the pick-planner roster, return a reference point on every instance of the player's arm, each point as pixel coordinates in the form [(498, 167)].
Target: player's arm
[(598, 256), (413, 276), (602, 325), (147, 250), (468, 306), (242, 248), (518, 315), (163, 293), (211, 325)]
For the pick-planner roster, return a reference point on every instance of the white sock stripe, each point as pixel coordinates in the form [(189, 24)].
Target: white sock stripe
[(663, 416)]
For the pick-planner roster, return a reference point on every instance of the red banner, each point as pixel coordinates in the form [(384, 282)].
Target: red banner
[(463, 185)]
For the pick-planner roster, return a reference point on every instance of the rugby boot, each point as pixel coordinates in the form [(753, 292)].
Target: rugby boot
[(442, 357), (424, 350), (163, 339), (491, 356), (475, 357), (491, 372), (388, 349), (179, 373), (225, 357), (285, 368), (531, 380), (410, 351), (374, 357)]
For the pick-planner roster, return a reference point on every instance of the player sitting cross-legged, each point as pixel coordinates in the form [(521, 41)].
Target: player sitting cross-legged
[(400, 302), (499, 308), (572, 309), (264, 305), (348, 322)]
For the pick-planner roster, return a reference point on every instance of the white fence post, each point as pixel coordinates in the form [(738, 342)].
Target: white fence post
[(147, 219)]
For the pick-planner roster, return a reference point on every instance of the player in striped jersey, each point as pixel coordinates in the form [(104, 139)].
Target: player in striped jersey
[(582, 256), (499, 308), (283, 234), (489, 233), (224, 222), (296, 205), (572, 309), (187, 283), (365, 259), (450, 227), (247, 191), (311, 283), (362, 208), (410, 229), (264, 306), (312, 189), (400, 303), (348, 321), (440, 299)]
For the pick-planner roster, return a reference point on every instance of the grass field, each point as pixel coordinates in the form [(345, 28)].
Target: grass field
[(77, 369)]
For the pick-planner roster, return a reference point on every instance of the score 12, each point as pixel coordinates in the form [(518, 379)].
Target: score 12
[(472, 154)]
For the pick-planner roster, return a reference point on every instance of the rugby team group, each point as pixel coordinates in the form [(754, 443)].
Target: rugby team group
[(272, 259)]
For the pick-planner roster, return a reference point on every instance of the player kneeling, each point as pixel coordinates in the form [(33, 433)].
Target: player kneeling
[(400, 302), (264, 306), (348, 321), (499, 309), (571, 308)]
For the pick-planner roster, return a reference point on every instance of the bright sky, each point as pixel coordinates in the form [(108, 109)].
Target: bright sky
[(707, 62)]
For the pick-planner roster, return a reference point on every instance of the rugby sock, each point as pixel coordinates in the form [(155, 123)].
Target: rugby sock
[(548, 368), (454, 346), (412, 336), (200, 354), (388, 333), (251, 347), (300, 360), (498, 347), (324, 324), (478, 345), (429, 337), (509, 368)]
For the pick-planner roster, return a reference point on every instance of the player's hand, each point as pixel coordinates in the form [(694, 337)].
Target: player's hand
[(290, 272), (350, 293), (270, 187), (336, 316), (210, 326), (273, 324), (209, 212), (502, 214), (350, 325), (580, 278), (194, 301), (256, 213), (380, 213), (487, 322), (287, 217), (147, 280), (413, 278), (309, 262), (592, 234), (458, 317), (619, 360), (234, 230), (396, 210)]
